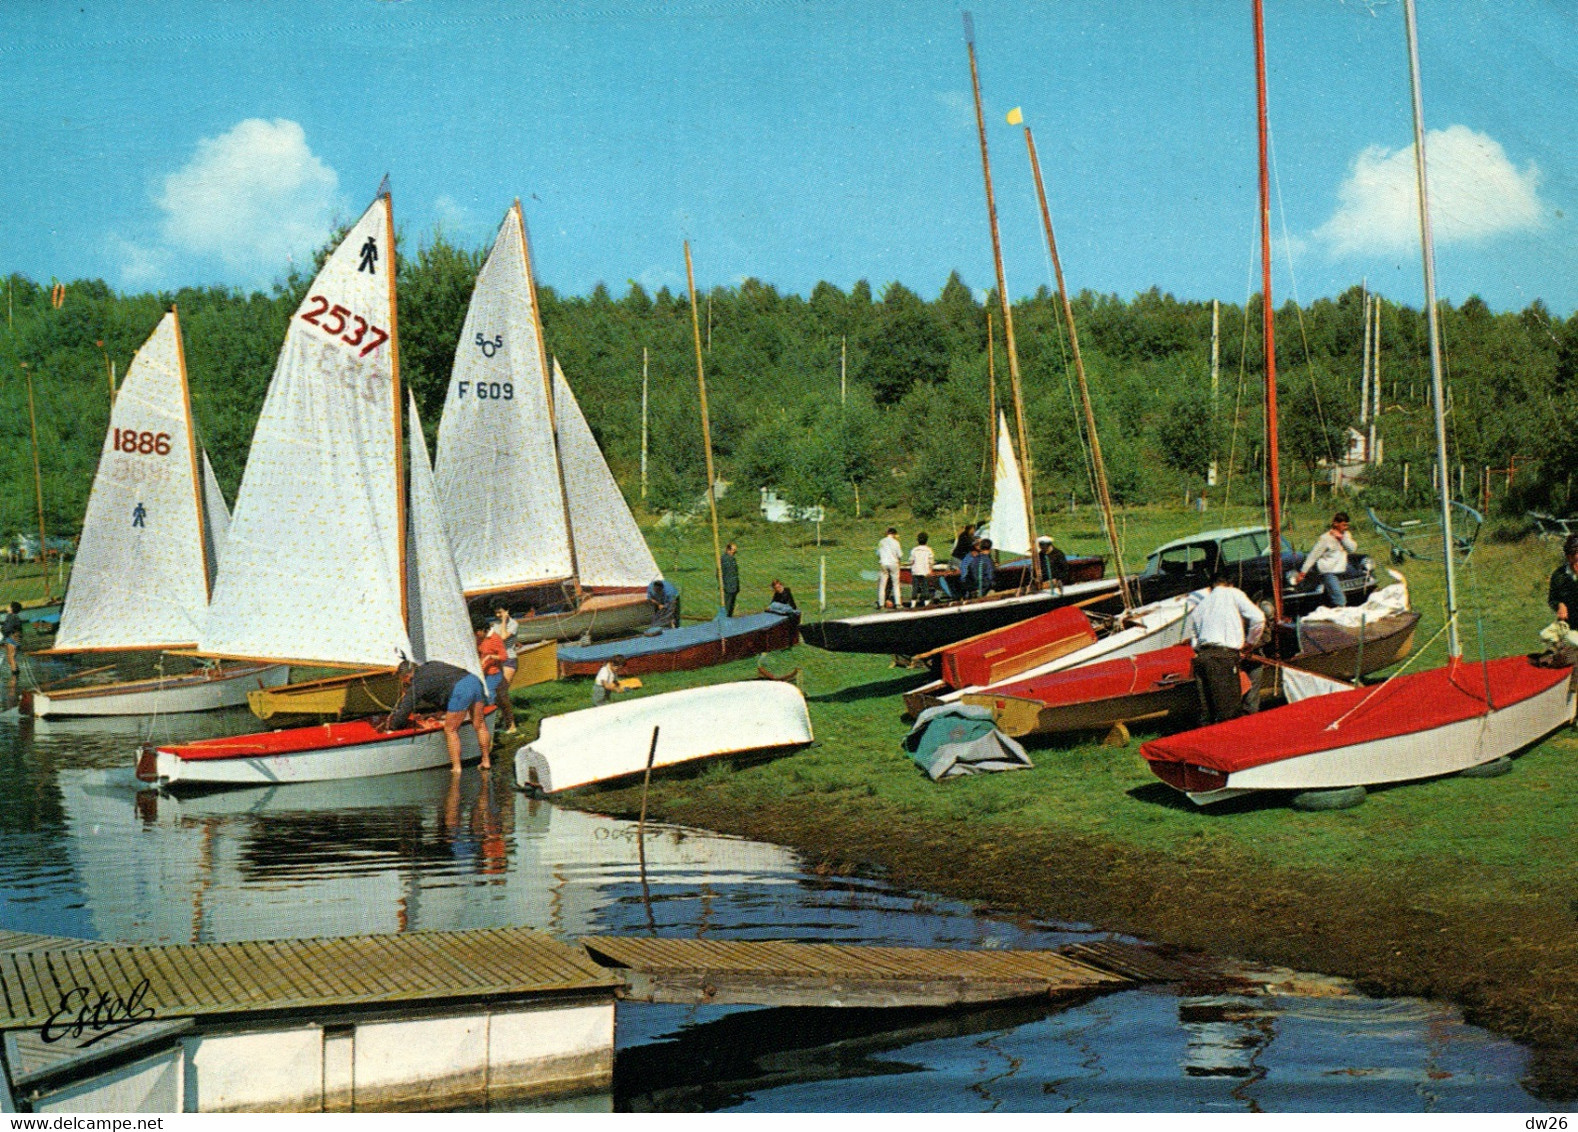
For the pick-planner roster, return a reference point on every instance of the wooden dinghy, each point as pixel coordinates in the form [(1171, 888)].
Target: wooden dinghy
[(690, 646), (609, 743), (597, 615), (1417, 725), (207, 689), (351, 749)]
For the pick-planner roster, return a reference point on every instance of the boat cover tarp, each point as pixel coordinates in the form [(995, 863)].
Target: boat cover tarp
[(1383, 603), (669, 640), (957, 739), (1408, 704)]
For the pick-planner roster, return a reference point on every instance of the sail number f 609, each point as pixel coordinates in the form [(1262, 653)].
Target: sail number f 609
[(141, 443), (338, 318), (487, 390)]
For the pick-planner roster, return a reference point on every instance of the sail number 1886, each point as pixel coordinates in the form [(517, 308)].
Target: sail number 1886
[(142, 443)]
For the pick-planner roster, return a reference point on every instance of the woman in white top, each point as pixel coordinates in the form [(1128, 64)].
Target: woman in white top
[(922, 559)]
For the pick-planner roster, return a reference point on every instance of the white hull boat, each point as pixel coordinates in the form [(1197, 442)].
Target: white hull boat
[(611, 742), (353, 749), (208, 689)]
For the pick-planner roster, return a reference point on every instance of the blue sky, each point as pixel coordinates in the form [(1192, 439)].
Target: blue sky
[(172, 143)]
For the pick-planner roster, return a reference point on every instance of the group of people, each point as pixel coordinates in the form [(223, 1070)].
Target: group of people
[(972, 558)]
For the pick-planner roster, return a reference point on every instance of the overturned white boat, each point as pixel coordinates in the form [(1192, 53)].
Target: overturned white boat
[(603, 744)]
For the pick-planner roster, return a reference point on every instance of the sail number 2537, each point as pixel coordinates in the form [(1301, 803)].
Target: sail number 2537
[(334, 320)]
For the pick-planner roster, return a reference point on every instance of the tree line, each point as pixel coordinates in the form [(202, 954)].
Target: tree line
[(850, 398)]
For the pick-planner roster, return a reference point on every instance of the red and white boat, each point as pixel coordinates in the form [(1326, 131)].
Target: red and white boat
[(325, 471), (1417, 725)]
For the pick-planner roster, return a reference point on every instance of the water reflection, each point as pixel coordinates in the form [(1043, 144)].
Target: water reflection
[(85, 851)]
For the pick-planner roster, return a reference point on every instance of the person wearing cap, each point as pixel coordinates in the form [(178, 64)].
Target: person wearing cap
[(1563, 593), (606, 683), (1223, 628), (436, 686), (1054, 563), (1329, 556)]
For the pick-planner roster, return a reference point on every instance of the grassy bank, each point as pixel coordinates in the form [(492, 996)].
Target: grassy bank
[(1459, 888)]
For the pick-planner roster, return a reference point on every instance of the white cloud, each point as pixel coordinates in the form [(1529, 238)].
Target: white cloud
[(453, 217), (1475, 192), (253, 198), (141, 266)]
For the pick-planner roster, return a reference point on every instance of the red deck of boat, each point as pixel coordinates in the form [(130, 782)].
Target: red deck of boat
[(1107, 680), (296, 740), (971, 663), (1409, 704)]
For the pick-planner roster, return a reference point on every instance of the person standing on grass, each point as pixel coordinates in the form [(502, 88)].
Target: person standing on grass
[(922, 559), (730, 568), (889, 557), (11, 634), (1223, 628), (1562, 595), (1329, 556)]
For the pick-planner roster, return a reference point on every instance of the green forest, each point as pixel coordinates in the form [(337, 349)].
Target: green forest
[(858, 398)]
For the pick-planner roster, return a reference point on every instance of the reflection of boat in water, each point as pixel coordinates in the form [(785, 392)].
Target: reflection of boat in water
[(1226, 1035), (386, 854)]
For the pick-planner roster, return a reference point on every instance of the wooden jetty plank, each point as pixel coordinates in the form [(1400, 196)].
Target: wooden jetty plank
[(32, 941), (188, 980)]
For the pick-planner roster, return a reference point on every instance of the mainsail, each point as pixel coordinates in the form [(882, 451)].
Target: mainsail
[(608, 544), (1010, 527), (313, 566), (497, 471), (440, 626), (141, 577)]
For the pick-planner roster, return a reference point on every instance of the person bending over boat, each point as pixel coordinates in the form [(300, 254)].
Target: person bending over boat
[(1223, 628), (783, 598), (436, 686), (1329, 556), (664, 596)]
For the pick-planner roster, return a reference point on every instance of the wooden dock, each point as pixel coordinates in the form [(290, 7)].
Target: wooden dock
[(775, 973)]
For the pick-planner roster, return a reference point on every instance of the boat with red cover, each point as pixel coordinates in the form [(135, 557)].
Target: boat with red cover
[(1149, 686), (354, 748), (1417, 725)]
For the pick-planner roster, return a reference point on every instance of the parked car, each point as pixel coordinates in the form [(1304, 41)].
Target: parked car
[(1186, 564)]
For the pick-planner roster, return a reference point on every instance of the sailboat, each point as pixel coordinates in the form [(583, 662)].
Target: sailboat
[(333, 557), (1415, 725), (148, 552), (536, 520)]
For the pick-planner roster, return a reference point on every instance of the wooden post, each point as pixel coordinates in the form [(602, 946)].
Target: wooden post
[(38, 487), (706, 425), (843, 370), (821, 582), (641, 831), (1216, 377)]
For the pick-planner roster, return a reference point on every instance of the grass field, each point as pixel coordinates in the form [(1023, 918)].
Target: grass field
[(1461, 888)]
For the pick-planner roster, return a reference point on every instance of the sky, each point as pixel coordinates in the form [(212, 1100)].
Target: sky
[(160, 145)]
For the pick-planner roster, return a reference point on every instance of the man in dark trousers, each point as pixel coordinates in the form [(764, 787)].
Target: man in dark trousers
[(460, 695), (1223, 628), (1054, 563), (731, 579)]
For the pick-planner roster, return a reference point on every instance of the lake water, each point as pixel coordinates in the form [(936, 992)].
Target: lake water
[(84, 852)]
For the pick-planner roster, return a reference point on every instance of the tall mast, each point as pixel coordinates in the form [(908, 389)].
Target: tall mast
[(191, 451), (1103, 494), (1268, 314), (706, 426), (394, 381), (1437, 386), (991, 400), (643, 423), (38, 486), (1002, 297), (547, 388)]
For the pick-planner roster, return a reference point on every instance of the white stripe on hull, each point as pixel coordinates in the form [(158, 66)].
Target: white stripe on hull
[(1418, 754), (179, 694), (421, 751)]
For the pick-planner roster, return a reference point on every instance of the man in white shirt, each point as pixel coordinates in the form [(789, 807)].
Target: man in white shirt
[(1329, 556), (1223, 628), (922, 559), (889, 556), (606, 682)]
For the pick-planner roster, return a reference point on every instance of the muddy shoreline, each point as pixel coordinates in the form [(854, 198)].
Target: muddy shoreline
[(1513, 970)]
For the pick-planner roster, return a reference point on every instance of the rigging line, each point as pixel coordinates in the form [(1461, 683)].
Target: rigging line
[(1243, 369), (1419, 652), (1068, 375), (1298, 306)]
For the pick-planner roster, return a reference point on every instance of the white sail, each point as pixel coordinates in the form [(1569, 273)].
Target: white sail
[(216, 517), (312, 568), (440, 627), (1010, 515), (140, 579), (497, 473), (608, 545)]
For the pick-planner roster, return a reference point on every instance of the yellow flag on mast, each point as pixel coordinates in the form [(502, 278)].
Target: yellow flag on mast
[(1015, 116)]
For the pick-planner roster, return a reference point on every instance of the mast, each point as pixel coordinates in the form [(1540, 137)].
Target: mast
[(38, 486), (547, 388), (706, 426), (1437, 386), (394, 385), (991, 399), (191, 451), (1025, 471), (1268, 314), (643, 426), (1103, 494)]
